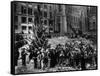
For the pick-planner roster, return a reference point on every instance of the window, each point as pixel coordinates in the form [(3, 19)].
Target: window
[(58, 18), (59, 7), (30, 11), (45, 14), (30, 27), (50, 8), (45, 6), (39, 7), (16, 19), (58, 27), (23, 27), (16, 27), (23, 19), (15, 7), (45, 22), (51, 22), (93, 27), (50, 14), (23, 9), (30, 20)]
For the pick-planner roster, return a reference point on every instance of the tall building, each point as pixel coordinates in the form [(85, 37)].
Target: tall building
[(76, 18), (82, 18), (53, 17), (92, 19), (24, 18), (60, 19)]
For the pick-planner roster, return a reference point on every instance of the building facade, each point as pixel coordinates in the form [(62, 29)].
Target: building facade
[(92, 19), (57, 18), (24, 19), (81, 18), (76, 18), (28, 16)]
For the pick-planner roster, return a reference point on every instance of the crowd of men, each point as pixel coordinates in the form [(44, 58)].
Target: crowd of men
[(76, 54)]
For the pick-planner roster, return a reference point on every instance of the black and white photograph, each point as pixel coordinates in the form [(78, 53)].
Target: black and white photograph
[(53, 37)]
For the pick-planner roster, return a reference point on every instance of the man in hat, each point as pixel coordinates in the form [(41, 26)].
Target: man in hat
[(23, 54)]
